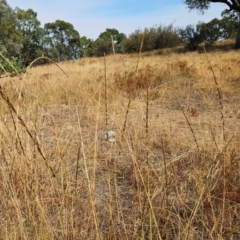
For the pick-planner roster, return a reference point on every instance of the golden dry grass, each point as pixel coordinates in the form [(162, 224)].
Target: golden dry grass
[(173, 172)]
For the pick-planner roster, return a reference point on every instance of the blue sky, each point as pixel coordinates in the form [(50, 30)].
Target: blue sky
[(91, 17)]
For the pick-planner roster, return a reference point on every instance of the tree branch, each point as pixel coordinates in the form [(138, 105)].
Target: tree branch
[(232, 4)]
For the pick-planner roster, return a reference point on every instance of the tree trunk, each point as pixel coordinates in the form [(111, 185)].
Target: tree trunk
[(237, 43)]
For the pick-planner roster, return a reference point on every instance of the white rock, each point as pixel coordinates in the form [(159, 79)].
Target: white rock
[(110, 135)]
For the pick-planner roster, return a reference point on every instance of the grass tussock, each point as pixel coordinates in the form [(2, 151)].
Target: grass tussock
[(170, 174)]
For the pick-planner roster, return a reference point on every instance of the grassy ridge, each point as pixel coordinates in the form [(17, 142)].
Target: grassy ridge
[(173, 172)]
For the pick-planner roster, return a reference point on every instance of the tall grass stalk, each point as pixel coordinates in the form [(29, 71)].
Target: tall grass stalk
[(149, 200), (90, 189), (189, 125), (10, 77), (140, 51), (9, 64), (125, 118), (77, 169), (220, 95), (32, 136), (220, 98), (50, 60), (149, 165), (113, 45), (165, 168), (105, 91), (95, 157)]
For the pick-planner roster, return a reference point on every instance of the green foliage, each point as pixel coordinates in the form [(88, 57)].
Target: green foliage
[(85, 44), (225, 28), (17, 64), (90, 51), (230, 22), (210, 32), (62, 41), (200, 5), (112, 33), (133, 42), (9, 37), (233, 5), (10, 40), (102, 47), (154, 38), (191, 36), (103, 44), (6, 66), (31, 35)]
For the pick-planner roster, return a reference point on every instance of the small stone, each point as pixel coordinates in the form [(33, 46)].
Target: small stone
[(110, 136)]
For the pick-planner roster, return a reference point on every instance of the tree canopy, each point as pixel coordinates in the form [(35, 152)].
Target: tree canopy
[(10, 38), (106, 39), (202, 5), (31, 35), (62, 41)]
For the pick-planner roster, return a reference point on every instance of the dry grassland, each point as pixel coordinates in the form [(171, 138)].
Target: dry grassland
[(172, 173)]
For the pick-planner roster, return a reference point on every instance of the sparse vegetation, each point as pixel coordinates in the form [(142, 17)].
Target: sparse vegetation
[(172, 173)]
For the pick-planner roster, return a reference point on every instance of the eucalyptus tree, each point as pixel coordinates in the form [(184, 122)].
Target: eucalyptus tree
[(104, 42), (85, 45), (31, 35), (10, 38), (62, 41)]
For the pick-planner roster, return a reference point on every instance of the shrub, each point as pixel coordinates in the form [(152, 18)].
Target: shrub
[(12, 66), (191, 36), (154, 38)]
